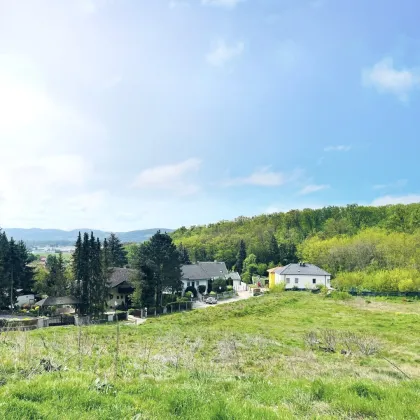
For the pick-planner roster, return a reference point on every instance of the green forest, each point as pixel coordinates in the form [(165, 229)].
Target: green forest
[(364, 247)]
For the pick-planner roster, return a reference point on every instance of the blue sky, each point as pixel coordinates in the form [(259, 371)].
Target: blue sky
[(131, 114)]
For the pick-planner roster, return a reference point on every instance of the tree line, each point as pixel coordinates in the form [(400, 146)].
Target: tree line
[(15, 273), (274, 238), (87, 275)]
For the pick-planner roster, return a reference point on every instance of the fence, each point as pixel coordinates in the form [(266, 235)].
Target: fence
[(61, 320), (385, 294), (163, 310)]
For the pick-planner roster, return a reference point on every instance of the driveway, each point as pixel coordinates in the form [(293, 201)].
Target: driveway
[(245, 294)]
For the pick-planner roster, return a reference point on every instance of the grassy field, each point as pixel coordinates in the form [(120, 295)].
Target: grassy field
[(263, 358), (39, 254)]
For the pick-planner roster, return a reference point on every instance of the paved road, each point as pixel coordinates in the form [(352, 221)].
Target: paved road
[(241, 296)]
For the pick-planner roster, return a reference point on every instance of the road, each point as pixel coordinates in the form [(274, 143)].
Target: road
[(241, 296)]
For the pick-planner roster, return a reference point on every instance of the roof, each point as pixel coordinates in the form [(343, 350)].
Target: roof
[(275, 269), (306, 269), (121, 275), (57, 301), (234, 276), (204, 270)]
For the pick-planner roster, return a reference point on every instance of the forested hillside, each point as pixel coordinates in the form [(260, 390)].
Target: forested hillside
[(340, 239)]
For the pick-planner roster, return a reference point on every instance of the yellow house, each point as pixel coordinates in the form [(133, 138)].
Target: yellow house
[(272, 276)]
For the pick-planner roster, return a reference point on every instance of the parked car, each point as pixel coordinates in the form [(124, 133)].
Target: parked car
[(211, 300)]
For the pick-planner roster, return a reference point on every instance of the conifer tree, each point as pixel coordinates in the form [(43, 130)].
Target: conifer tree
[(91, 273), (183, 255), (273, 250), (241, 257), (118, 255)]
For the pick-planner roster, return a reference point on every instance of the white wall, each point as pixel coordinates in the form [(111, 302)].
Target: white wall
[(116, 297), (195, 282), (25, 300), (304, 281)]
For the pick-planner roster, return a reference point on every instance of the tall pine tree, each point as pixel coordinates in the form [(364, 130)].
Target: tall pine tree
[(118, 255), (14, 270), (183, 255), (241, 257), (273, 250), (91, 272)]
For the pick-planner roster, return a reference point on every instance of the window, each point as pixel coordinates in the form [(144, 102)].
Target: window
[(288, 281), (111, 296), (296, 281), (313, 281), (328, 280), (118, 297)]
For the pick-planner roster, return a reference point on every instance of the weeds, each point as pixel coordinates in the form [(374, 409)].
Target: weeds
[(214, 364)]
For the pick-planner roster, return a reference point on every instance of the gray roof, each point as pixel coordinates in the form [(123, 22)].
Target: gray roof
[(204, 270), (121, 275), (233, 276), (57, 301), (308, 269)]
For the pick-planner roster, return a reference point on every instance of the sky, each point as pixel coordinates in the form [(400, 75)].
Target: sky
[(132, 114)]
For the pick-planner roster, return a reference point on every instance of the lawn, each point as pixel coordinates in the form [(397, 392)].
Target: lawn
[(253, 359)]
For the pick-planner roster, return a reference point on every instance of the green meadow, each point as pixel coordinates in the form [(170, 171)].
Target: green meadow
[(280, 356)]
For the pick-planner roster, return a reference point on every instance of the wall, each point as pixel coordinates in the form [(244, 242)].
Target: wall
[(120, 298), (25, 299), (271, 279), (196, 283), (304, 281)]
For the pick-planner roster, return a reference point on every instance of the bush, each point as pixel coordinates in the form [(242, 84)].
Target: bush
[(135, 312), (336, 295), (278, 288), (191, 290), (202, 289), (229, 288), (189, 294), (219, 285)]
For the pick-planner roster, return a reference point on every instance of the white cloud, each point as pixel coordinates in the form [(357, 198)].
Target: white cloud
[(389, 199), (397, 184), (173, 177), (313, 188), (223, 53), (386, 79), (274, 208), (228, 4), (264, 177), (339, 148), (87, 7)]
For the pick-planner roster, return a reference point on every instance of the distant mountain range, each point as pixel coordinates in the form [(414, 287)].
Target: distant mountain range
[(37, 236)]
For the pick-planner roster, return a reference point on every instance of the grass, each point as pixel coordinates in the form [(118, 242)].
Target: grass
[(39, 254), (245, 360)]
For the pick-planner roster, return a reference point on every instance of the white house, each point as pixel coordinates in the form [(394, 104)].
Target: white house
[(24, 297), (302, 276), (120, 287), (203, 273)]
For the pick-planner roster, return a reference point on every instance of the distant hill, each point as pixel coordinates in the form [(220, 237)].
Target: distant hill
[(37, 236)]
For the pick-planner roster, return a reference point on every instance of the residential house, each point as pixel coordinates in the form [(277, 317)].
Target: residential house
[(203, 273), (272, 275), (24, 297), (301, 276), (120, 287)]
